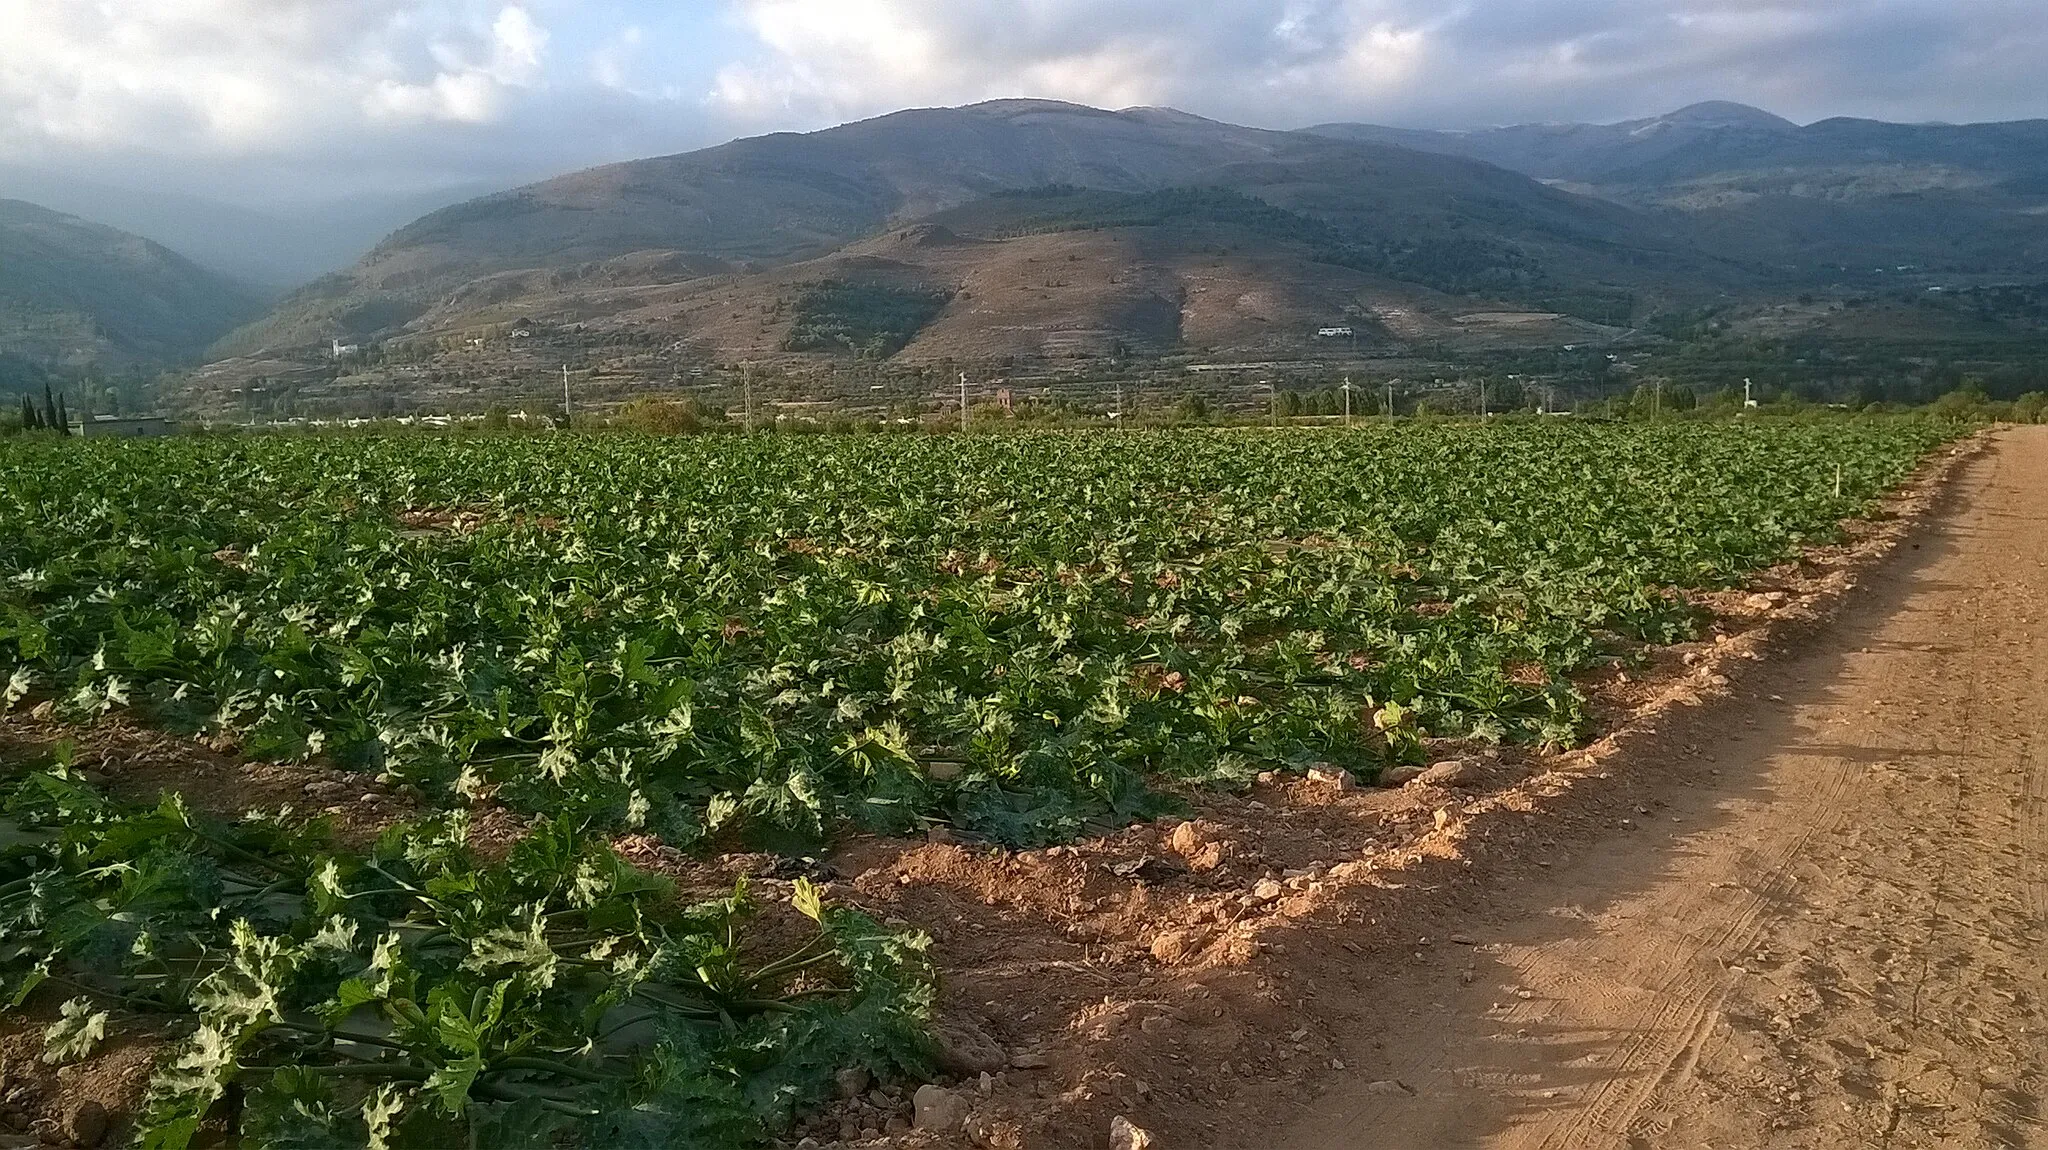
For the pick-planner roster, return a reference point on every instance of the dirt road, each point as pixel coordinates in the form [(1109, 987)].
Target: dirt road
[(1821, 925)]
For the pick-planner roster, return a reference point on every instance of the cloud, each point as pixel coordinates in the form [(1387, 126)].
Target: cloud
[(230, 77), (466, 89), (265, 100), (1288, 62)]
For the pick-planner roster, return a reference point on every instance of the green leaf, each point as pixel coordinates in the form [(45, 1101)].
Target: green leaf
[(451, 1083), (381, 1111), (76, 1034), (807, 899)]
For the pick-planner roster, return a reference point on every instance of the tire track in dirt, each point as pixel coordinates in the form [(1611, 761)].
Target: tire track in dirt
[(1820, 925)]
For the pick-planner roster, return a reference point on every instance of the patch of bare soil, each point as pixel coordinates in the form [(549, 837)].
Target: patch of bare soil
[(1199, 981), (133, 762), (1809, 915)]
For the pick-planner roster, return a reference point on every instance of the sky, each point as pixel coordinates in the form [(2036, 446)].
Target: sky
[(270, 103)]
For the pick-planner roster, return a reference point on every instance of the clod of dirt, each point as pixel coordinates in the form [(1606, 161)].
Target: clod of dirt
[(86, 1125), (1390, 1086), (1336, 777), (1399, 776), (1125, 1135), (1190, 842), (853, 1081), (1449, 773), (966, 1050), (937, 1108), (1173, 947)]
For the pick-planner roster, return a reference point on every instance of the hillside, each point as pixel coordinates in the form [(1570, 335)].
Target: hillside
[(72, 291), (1035, 238), (1855, 194), (762, 204)]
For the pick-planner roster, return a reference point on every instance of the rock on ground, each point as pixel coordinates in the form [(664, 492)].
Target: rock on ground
[(1124, 1135), (966, 1050), (937, 1108)]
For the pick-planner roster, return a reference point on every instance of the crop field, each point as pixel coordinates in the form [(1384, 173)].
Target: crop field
[(770, 639), (760, 643)]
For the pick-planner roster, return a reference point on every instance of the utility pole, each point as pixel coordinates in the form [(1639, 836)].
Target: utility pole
[(1747, 402), (1347, 401), (1656, 398), (1483, 413), (747, 386), (1119, 403), (963, 401), (568, 412), (1390, 398)]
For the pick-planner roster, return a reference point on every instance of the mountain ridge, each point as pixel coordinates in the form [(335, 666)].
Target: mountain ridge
[(76, 292), (785, 198), (1026, 231)]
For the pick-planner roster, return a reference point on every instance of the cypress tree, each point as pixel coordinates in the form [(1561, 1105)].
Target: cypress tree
[(30, 421), (63, 418), (49, 407)]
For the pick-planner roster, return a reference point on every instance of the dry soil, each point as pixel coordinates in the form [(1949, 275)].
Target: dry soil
[(1823, 924)]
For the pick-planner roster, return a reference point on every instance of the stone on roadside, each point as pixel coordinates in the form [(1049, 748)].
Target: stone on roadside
[(1127, 1135), (1267, 890), (1399, 776), (937, 1108), (966, 1050), (1449, 773), (1330, 776)]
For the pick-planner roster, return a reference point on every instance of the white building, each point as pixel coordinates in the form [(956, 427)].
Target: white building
[(343, 350), (123, 427)]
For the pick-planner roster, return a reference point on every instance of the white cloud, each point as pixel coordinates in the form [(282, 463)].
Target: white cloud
[(1288, 62), (231, 77), (224, 96), (474, 82)]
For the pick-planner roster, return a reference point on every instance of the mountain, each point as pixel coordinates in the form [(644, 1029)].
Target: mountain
[(75, 292), (1854, 194), (1038, 237), (755, 205), (1589, 153)]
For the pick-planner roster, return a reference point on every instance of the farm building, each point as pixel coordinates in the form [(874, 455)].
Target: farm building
[(124, 427)]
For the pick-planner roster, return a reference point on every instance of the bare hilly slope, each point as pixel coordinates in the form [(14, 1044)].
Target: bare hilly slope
[(73, 291), (764, 204), (1858, 194)]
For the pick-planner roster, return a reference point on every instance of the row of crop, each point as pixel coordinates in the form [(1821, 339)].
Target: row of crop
[(776, 636)]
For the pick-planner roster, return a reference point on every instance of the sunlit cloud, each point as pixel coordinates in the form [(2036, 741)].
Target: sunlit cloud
[(348, 95)]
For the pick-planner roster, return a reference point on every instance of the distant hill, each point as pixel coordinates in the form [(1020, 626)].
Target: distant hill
[(1036, 236), (75, 292), (759, 204), (1859, 194)]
